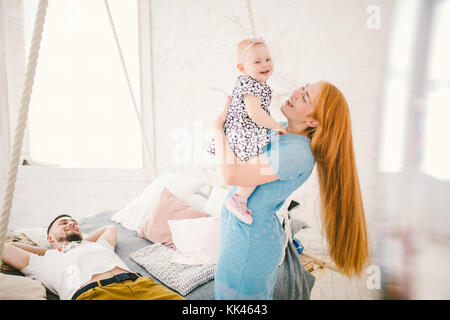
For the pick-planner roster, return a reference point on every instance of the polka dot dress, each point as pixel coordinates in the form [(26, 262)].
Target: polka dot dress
[(246, 138)]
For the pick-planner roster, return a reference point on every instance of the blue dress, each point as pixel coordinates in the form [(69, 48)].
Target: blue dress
[(250, 254)]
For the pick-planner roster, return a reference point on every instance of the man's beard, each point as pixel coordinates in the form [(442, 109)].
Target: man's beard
[(70, 237), (74, 237)]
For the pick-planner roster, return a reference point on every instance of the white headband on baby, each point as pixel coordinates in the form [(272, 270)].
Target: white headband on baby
[(253, 42)]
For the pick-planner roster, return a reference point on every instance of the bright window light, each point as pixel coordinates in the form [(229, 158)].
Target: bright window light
[(394, 117), (436, 156), (81, 114)]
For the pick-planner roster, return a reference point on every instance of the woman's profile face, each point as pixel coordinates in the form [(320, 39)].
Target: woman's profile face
[(300, 104)]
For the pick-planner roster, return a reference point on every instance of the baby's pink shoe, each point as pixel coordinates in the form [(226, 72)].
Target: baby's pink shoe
[(238, 206)]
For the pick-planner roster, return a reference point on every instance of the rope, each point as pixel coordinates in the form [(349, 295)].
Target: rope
[(251, 21), (21, 121), (130, 89)]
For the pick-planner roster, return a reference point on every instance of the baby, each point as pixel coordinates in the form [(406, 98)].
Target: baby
[(248, 120)]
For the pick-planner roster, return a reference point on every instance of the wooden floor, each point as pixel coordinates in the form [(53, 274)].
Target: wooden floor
[(335, 286)]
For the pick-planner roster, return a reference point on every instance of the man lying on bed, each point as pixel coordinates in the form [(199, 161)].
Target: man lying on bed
[(83, 269)]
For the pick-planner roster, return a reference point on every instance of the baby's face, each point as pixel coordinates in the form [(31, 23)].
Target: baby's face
[(257, 63)]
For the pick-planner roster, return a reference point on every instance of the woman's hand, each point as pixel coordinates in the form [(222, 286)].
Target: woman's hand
[(279, 129), (222, 117), (234, 172)]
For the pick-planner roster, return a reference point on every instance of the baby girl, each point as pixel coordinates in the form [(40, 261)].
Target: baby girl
[(248, 120)]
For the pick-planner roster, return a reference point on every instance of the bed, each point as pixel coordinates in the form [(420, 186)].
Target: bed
[(293, 281)]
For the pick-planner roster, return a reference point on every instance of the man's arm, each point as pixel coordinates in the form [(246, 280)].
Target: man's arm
[(33, 249), (15, 257), (108, 233)]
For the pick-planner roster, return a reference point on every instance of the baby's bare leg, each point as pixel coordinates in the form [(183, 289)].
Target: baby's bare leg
[(245, 192), (237, 204)]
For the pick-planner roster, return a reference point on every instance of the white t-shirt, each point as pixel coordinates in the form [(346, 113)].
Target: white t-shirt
[(66, 269)]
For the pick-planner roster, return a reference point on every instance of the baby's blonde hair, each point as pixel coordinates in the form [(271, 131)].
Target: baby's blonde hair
[(244, 46)]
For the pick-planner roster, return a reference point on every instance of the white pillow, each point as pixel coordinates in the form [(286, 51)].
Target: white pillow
[(38, 235), (196, 240), (21, 288), (133, 215), (215, 201), (197, 201)]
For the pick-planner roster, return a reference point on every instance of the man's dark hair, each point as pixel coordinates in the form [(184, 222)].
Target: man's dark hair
[(51, 223)]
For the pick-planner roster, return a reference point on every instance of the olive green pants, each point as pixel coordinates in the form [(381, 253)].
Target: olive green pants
[(143, 288)]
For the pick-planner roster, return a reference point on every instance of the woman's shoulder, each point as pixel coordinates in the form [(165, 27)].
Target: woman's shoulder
[(290, 156), (295, 140), (292, 145), (290, 138)]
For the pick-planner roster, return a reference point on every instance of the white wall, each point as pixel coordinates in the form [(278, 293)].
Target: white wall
[(37, 200)]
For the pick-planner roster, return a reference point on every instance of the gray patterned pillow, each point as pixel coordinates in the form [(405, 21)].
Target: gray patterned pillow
[(183, 278)]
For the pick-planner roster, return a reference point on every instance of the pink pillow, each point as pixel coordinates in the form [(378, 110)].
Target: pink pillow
[(155, 227)]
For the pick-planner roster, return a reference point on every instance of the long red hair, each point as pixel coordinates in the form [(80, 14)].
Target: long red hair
[(342, 214)]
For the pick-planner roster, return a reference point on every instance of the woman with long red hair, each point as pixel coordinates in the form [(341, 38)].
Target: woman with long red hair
[(318, 132)]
